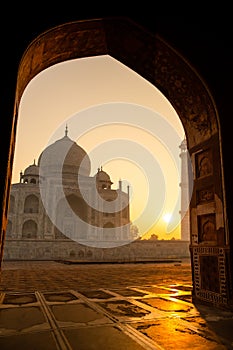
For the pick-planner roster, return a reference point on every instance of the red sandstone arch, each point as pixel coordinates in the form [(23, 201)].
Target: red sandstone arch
[(160, 64)]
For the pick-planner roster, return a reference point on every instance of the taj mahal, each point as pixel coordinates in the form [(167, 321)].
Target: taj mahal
[(58, 211)]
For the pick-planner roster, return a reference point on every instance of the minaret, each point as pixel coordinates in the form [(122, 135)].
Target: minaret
[(185, 196)]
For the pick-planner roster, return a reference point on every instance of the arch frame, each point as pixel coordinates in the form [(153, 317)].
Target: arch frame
[(160, 64)]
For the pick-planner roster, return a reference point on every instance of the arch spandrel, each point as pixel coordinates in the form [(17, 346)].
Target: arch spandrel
[(65, 42), (157, 62), (187, 92), (147, 54), (121, 39), (132, 45)]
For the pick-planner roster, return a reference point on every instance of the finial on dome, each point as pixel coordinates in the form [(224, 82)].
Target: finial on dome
[(34, 162), (66, 130)]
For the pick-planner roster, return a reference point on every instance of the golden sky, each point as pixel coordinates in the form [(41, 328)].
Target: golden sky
[(122, 121)]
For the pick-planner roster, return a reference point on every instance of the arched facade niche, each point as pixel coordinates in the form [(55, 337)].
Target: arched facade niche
[(31, 204), (64, 222), (156, 61), (78, 205), (64, 218), (29, 229)]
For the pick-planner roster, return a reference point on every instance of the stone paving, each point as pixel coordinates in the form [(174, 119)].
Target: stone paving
[(51, 305)]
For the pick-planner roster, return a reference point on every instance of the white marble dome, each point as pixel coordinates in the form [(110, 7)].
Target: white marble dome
[(64, 155)]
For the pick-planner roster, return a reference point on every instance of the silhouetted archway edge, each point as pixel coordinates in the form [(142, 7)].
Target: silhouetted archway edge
[(156, 61)]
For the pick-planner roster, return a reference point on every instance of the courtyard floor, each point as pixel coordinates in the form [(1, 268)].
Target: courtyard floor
[(47, 305)]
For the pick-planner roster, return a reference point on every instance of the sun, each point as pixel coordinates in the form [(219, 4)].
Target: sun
[(167, 217)]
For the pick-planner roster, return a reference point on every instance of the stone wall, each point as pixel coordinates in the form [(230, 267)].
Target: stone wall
[(141, 250)]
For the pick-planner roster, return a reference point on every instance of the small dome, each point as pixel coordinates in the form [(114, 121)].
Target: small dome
[(32, 170), (102, 176)]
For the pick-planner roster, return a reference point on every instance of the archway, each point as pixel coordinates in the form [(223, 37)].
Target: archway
[(29, 229), (31, 204), (156, 61)]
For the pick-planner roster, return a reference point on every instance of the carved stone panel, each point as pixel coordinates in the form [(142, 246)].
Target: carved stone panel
[(205, 195), (207, 228), (211, 279), (203, 163), (209, 272), (188, 94)]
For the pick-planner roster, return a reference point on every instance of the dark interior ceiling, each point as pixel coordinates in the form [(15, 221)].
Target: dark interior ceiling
[(206, 41)]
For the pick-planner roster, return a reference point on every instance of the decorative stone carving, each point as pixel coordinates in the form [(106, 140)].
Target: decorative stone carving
[(203, 164), (182, 85), (207, 228), (205, 195)]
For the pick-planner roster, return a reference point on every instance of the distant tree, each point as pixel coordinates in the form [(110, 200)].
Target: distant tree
[(173, 239), (154, 237), (134, 231)]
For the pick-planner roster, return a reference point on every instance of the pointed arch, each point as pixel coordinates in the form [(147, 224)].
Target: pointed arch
[(159, 63), (31, 204), (29, 229)]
